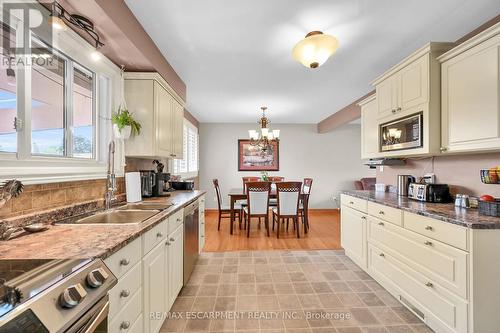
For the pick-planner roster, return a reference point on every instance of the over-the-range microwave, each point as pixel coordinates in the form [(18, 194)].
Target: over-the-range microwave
[(403, 133)]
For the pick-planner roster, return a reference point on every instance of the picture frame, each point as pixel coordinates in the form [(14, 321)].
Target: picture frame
[(252, 158)]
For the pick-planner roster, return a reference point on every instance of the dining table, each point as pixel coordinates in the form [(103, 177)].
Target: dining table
[(237, 194)]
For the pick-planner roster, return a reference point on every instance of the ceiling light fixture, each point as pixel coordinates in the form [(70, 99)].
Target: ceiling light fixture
[(266, 136), (315, 49), (59, 17)]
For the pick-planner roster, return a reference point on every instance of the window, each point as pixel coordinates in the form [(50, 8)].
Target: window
[(188, 166), (8, 97), (62, 108)]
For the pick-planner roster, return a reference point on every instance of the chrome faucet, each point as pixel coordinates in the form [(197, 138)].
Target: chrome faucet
[(109, 196)]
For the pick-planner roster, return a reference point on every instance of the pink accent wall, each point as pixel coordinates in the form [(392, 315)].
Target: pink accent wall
[(461, 172)]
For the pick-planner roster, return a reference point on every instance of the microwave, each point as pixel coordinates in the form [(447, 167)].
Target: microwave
[(403, 133)]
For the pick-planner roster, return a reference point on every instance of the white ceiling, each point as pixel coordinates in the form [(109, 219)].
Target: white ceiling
[(235, 55)]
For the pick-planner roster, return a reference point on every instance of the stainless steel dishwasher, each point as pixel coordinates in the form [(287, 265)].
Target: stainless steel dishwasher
[(191, 226)]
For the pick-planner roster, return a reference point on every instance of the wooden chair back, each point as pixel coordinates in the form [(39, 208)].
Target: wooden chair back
[(275, 179), (306, 189), (258, 197), (288, 194), (248, 179), (218, 194)]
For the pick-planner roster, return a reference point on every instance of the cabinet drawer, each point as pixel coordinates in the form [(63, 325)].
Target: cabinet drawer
[(128, 315), (122, 261), (121, 294), (442, 263), (386, 213), (154, 236), (441, 310), (137, 326), (352, 202), (442, 231), (175, 220)]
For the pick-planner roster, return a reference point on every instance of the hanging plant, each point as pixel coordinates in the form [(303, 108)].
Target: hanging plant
[(123, 121)]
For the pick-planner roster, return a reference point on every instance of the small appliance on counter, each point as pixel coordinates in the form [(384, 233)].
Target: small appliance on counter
[(186, 185), (404, 182), (437, 193), (148, 181)]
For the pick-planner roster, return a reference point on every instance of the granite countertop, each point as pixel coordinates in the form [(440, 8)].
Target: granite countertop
[(469, 218), (65, 241)]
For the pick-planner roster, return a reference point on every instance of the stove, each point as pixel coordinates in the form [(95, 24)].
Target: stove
[(39, 296)]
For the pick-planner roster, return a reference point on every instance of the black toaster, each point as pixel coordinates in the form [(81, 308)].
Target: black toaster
[(439, 193)]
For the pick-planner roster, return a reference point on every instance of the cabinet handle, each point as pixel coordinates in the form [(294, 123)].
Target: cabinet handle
[(179, 220), (429, 284), (382, 255), (159, 235), (428, 228), (351, 202), (124, 262), (125, 325), (381, 223), (125, 293), (393, 111), (398, 109), (167, 243), (443, 149), (428, 243), (381, 212), (172, 239), (363, 217)]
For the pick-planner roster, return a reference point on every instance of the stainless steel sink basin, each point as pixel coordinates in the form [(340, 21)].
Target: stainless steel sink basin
[(145, 206), (129, 216)]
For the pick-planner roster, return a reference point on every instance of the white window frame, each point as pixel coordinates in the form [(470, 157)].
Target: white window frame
[(185, 156), (35, 169)]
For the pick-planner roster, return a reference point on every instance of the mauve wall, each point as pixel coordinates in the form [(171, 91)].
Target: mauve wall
[(461, 172)]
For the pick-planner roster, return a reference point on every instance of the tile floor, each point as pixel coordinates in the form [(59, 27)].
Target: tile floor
[(286, 291)]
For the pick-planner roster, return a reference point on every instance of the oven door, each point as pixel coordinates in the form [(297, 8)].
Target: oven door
[(94, 320), (404, 133)]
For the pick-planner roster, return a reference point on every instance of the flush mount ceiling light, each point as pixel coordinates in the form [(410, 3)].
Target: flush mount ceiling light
[(315, 49)]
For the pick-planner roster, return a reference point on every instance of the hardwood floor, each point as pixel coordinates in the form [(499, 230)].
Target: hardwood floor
[(324, 233)]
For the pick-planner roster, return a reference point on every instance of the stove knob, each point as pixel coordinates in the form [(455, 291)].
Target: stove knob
[(96, 278), (72, 296)]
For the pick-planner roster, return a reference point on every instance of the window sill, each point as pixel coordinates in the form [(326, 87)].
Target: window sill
[(187, 175)]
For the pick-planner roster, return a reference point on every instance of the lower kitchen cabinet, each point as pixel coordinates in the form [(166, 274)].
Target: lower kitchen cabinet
[(174, 264), (444, 273), (155, 286), (353, 234)]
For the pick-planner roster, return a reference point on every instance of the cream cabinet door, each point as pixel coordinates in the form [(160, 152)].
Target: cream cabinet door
[(353, 235), (369, 130), (176, 262), (177, 130), (154, 284), (413, 88), (386, 92), (163, 105), (470, 99)]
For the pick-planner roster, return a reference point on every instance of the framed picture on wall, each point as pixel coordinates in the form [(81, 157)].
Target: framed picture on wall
[(252, 158)]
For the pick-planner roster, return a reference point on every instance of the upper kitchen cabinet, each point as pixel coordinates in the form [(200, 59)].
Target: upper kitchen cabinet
[(369, 128), (161, 113), (411, 88), (470, 94)]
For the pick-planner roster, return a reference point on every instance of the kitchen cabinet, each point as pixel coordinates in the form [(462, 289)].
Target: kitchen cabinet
[(411, 87), (441, 271), (369, 128), (160, 111), (471, 94), (175, 264), (353, 233), (201, 220), (155, 286)]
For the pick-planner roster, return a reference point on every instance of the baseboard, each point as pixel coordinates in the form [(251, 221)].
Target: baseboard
[(312, 210)]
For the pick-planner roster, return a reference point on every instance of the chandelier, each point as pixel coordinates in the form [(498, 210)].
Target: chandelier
[(266, 136)]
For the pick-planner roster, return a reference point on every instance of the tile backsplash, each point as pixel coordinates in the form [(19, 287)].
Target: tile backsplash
[(40, 197)]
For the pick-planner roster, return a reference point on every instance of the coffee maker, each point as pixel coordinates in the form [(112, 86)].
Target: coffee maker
[(161, 180), (148, 182)]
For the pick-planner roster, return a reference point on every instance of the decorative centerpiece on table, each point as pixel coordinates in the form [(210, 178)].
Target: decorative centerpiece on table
[(124, 124), (264, 175)]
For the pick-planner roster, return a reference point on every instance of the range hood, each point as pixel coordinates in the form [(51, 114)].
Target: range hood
[(374, 162)]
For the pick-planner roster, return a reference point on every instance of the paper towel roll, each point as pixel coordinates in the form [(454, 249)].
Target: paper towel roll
[(133, 186)]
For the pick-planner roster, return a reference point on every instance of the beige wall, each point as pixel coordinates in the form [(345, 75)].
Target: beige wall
[(331, 159), (461, 172)]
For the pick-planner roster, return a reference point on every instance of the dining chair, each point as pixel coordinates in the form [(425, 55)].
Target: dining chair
[(304, 203), (258, 204), (288, 195), (224, 210), (248, 179), (274, 179)]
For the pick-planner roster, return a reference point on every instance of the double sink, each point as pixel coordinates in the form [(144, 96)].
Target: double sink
[(132, 213)]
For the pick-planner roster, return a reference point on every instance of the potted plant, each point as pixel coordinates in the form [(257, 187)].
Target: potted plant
[(124, 124), (264, 175)]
